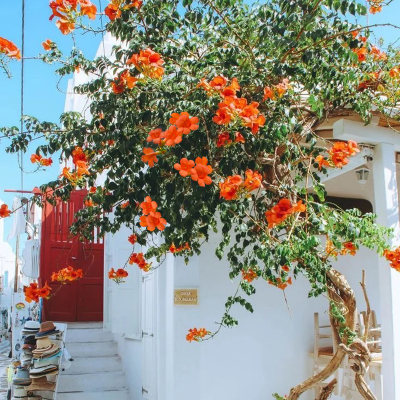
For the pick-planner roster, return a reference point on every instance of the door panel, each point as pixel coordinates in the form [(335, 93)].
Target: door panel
[(81, 300)]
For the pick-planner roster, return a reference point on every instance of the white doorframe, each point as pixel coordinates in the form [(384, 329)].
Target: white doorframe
[(149, 336)]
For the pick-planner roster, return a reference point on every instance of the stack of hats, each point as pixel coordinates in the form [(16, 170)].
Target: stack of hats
[(39, 360), (46, 358)]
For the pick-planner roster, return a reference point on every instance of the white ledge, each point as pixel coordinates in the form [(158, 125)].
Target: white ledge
[(369, 134)]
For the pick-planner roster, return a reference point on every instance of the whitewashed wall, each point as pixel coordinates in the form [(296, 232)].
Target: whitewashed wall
[(269, 351)]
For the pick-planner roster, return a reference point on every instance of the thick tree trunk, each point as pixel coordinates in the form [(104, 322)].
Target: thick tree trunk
[(340, 292)]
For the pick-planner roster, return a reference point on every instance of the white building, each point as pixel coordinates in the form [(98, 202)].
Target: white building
[(270, 350), (7, 258)]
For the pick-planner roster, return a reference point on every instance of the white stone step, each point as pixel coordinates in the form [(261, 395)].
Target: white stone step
[(84, 325), (110, 395), (82, 365), (98, 382), (88, 335), (92, 349)]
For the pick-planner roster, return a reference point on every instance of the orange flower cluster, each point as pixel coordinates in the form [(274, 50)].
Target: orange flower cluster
[(132, 238), (338, 155), (231, 188), (276, 91), (348, 248), (89, 203), (138, 258), (395, 72), (67, 12), (198, 170), (219, 85), (281, 211), (4, 211), (123, 82), (330, 249), (249, 275), (280, 283), (9, 49), (150, 156), (375, 6), (118, 275), (363, 52), (79, 159), (340, 152), (149, 63), (48, 44), (232, 107), (196, 334), (125, 205), (37, 158), (151, 219), (115, 7), (378, 54), (224, 139), (394, 257), (34, 293), (181, 124), (173, 249), (67, 274)]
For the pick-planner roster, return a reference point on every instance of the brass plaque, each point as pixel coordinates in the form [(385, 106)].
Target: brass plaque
[(187, 297)]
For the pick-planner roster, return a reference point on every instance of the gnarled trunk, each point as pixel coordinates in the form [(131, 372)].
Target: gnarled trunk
[(340, 292)]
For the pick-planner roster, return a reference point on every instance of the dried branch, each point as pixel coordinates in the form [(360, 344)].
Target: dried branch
[(368, 314)]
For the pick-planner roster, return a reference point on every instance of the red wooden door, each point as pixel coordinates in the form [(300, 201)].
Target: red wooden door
[(81, 300)]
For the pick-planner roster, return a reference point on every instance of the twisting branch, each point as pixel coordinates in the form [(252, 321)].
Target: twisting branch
[(339, 291), (368, 315)]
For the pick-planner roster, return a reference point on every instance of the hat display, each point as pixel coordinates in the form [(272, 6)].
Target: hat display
[(47, 329), (21, 378), (34, 376)]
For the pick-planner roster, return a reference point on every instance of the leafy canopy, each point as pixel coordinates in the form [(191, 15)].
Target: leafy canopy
[(204, 120)]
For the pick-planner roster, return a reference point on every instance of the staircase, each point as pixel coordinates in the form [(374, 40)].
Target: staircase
[(96, 372)]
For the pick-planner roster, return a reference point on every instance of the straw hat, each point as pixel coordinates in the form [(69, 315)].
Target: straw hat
[(41, 384), (47, 328)]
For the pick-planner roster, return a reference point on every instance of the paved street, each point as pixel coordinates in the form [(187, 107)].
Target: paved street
[(4, 361)]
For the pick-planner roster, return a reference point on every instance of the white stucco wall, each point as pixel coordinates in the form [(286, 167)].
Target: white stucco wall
[(268, 352)]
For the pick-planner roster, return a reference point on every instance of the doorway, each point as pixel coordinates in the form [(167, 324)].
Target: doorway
[(81, 300)]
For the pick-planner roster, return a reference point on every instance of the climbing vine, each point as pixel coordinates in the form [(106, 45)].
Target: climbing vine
[(203, 121)]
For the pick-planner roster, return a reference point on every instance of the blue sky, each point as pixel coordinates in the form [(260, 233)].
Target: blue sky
[(43, 99)]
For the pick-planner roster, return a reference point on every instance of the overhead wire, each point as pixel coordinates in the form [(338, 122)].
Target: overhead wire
[(20, 154)]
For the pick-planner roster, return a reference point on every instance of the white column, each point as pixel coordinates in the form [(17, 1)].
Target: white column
[(165, 330), (387, 210)]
